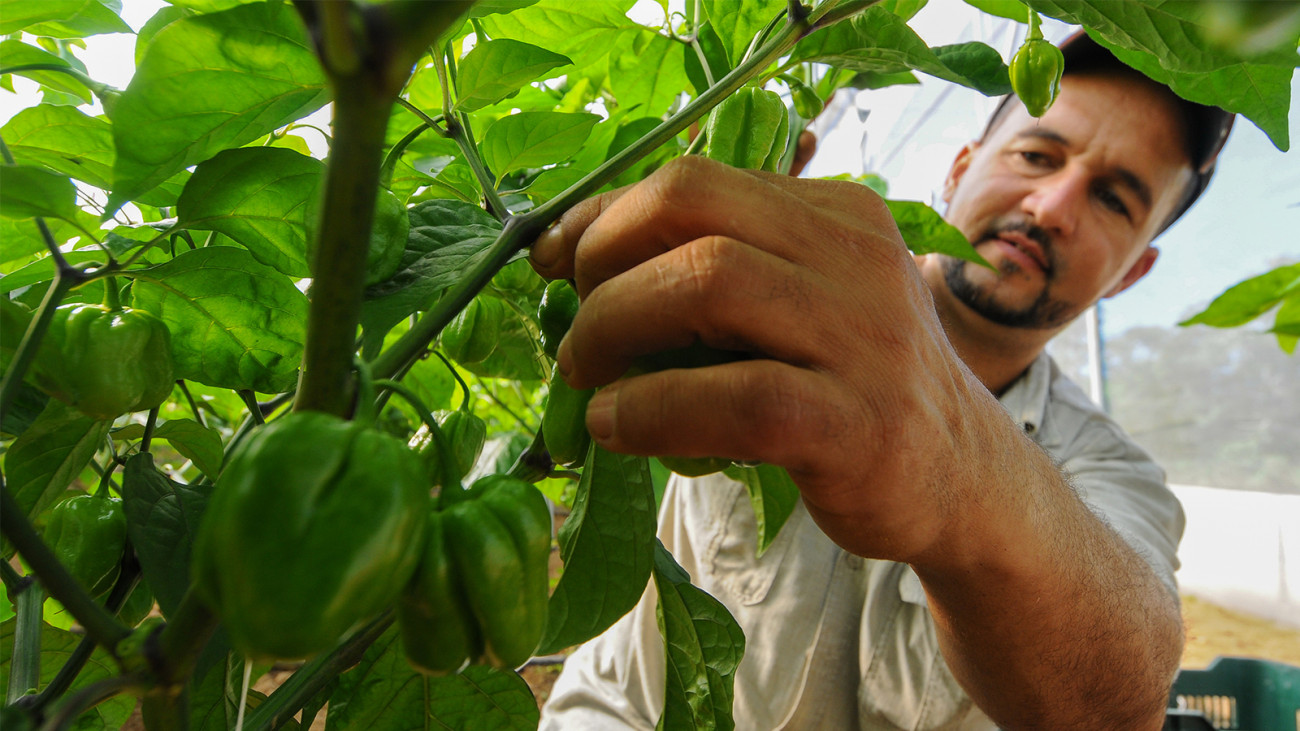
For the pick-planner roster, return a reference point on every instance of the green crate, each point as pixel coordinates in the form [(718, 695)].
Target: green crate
[(1242, 693)]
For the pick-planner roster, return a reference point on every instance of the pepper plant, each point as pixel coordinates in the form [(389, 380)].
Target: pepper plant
[(324, 421)]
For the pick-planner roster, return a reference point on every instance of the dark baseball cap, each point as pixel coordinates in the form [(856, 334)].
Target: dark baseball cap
[(1206, 127)]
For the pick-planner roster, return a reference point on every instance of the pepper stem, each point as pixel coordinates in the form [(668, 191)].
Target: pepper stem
[(1035, 32)]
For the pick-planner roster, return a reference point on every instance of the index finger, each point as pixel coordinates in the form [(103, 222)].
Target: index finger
[(551, 255)]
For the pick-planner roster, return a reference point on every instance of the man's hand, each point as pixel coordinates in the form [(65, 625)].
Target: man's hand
[(853, 387), (900, 453)]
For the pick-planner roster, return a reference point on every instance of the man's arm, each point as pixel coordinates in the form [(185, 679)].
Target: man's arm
[(899, 451)]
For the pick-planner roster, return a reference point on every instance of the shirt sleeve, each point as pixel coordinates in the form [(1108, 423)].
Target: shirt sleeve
[(1124, 487)]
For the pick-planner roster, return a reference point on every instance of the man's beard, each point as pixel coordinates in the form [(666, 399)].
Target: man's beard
[(1044, 313)]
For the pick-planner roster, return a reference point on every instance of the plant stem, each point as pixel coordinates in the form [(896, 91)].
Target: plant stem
[(25, 671), (351, 178), (290, 697), (88, 697), (126, 583), (98, 623), (173, 652)]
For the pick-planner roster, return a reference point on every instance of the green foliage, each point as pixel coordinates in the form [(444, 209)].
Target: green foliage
[(192, 191)]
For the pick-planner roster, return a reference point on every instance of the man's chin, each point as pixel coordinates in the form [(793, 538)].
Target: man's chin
[(1036, 311)]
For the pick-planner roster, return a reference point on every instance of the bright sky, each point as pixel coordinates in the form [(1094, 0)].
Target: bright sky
[(1247, 222)]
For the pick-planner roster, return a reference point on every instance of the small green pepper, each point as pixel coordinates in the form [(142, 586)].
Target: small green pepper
[(564, 423), (314, 526), (1036, 70), (555, 314), (88, 534), (473, 334), (105, 361), (480, 592)]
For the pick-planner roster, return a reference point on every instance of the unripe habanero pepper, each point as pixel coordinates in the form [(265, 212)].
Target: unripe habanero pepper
[(564, 422), (314, 525), (555, 314), (1036, 70), (480, 592), (88, 535), (105, 361), (472, 335)]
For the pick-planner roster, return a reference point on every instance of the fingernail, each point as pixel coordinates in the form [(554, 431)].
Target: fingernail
[(600, 414), (547, 248)]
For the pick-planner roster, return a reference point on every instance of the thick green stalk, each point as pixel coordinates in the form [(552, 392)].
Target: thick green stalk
[(98, 623), (290, 697), (520, 230), (25, 670), (351, 178)]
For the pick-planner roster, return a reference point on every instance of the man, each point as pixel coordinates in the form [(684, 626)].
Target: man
[(955, 562)]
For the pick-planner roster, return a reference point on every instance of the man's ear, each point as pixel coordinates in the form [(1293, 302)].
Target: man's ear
[(1139, 269), (959, 167)]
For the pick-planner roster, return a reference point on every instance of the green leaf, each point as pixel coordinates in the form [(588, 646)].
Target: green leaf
[(16, 53), (383, 692), (62, 18), (1259, 92), (446, 237), (748, 129), (235, 323), (1161, 40), (607, 545), (162, 517), (650, 75), (737, 22), (534, 139), (1249, 299), (494, 70), (703, 645), (582, 31), (45, 459), (57, 647), (1286, 326), (879, 41), (773, 495), (1009, 9), (63, 139), (924, 231), (256, 196), (28, 192), (979, 66), (905, 9), (198, 443), (208, 83)]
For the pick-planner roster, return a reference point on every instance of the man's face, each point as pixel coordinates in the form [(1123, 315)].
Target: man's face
[(1065, 206)]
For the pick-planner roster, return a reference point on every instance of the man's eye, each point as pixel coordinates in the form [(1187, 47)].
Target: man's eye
[(1112, 201), (1037, 159)]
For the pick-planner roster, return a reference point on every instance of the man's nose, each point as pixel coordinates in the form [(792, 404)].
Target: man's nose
[(1055, 201)]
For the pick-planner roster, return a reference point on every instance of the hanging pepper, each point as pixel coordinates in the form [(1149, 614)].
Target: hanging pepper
[(105, 360), (480, 592), (1036, 70), (314, 526)]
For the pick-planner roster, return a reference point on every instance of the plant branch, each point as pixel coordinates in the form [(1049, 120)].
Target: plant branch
[(304, 684)]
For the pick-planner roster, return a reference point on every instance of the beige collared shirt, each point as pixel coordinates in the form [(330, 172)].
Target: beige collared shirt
[(835, 641)]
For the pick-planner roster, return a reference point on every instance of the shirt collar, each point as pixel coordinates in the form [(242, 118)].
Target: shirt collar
[(1026, 399)]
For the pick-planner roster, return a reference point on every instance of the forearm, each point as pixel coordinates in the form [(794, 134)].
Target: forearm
[(1044, 614)]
